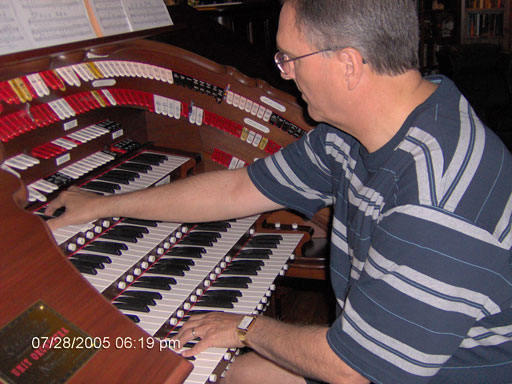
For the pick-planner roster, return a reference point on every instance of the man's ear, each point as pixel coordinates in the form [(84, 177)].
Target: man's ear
[(352, 62)]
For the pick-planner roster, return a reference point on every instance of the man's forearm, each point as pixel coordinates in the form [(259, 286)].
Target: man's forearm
[(208, 196), (301, 349), (205, 197)]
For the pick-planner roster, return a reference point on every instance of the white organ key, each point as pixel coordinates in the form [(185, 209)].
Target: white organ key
[(64, 143), (46, 184), (64, 74), (123, 68), (109, 96), (16, 163), (103, 68), (40, 187), (236, 100), (158, 75), (151, 71), (229, 98), (131, 69), (34, 195), (138, 69), (55, 106), (80, 72), (110, 68), (5, 167), (199, 117), (177, 109), (38, 84), (28, 158), (248, 105), (169, 76)]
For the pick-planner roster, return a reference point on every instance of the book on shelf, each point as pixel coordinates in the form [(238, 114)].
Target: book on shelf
[(484, 4), (484, 25)]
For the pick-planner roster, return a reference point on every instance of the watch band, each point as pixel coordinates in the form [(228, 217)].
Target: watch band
[(244, 327)]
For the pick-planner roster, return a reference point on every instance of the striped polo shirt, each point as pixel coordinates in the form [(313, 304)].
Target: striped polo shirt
[(421, 242)]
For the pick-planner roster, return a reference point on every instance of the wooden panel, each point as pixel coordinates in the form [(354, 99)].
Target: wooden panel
[(34, 269)]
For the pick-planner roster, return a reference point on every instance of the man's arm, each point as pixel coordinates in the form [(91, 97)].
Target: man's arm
[(302, 350), (209, 196)]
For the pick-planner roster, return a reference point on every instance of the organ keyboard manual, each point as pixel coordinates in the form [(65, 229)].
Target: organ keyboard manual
[(100, 302)]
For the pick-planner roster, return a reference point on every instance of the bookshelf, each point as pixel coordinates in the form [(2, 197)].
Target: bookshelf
[(486, 22), (451, 24), (439, 27)]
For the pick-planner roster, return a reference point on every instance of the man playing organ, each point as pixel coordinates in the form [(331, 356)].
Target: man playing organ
[(420, 256)]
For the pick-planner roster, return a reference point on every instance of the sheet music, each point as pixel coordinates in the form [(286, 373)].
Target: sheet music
[(143, 14), (31, 24), (111, 16), (12, 37), (52, 22)]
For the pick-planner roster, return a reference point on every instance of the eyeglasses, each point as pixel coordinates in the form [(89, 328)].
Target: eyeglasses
[(283, 61)]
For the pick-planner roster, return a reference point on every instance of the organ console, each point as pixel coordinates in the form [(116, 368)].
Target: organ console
[(99, 302)]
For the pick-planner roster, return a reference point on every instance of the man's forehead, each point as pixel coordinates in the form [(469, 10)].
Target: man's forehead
[(288, 29)]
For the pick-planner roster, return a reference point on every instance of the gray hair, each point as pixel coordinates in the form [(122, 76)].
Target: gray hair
[(385, 32)]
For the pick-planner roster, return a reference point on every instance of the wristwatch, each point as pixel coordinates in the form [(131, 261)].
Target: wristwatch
[(244, 326)]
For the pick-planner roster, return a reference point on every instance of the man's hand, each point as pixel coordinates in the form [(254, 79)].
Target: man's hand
[(215, 329), (80, 208)]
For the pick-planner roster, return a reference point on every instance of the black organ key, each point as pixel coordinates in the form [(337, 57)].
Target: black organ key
[(92, 257), (218, 226), (109, 247), (133, 318), (127, 174), (205, 235), (113, 235), (143, 294), (91, 263), (59, 211), (175, 261), (149, 158), (196, 312), (155, 282), (125, 233), (166, 270), (222, 292), (136, 167), (145, 223), (241, 270), (41, 213), (132, 306), (101, 186), (215, 302), (135, 300), (196, 241), (247, 263), (133, 228), (254, 254), (114, 179), (194, 252), (267, 237), (261, 244), (232, 282), (83, 268)]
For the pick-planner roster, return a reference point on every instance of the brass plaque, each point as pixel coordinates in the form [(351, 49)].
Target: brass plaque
[(41, 346)]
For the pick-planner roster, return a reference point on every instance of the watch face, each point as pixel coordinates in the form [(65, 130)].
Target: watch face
[(246, 321)]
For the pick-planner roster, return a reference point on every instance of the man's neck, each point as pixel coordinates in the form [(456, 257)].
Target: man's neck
[(384, 104)]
